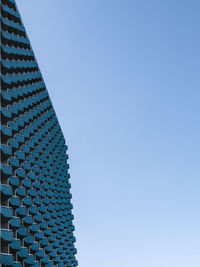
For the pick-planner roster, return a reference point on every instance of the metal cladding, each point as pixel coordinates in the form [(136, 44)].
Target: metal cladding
[(36, 209)]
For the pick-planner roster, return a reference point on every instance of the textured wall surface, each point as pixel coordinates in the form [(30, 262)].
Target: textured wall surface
[(36, 209)]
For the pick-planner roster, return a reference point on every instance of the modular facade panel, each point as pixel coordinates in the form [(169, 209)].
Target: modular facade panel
[(36, 209)]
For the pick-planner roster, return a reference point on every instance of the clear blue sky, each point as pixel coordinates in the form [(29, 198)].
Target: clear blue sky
[(124, 78)]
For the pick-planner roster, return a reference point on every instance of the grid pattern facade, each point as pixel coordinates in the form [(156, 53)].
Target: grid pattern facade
[(36, 209)]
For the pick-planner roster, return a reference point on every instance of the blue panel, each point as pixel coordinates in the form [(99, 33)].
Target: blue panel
[(34, 247), (6, 190), (14, 201), (7, 260), (21, 211), (17, 265), (21, 191), (7, 235), (27, 201), (28, 220), (6, 149), (6, 212), (23, 253), (6, 169), (39, 235), (14, 181), (40, 254), (29, 240), (22, 231), (29, 260), (15, 222), (15, 245)]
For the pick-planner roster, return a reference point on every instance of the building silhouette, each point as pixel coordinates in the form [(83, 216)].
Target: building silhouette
[(36, 209)]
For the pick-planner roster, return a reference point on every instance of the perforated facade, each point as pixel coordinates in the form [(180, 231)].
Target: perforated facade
[(36, 209)]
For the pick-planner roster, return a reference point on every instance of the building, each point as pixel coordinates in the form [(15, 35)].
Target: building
[(36, 209)]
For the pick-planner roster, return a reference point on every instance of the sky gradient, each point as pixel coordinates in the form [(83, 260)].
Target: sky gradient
[(124, 78)]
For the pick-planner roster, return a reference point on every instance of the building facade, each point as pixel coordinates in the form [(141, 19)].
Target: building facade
[(36, 209)]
